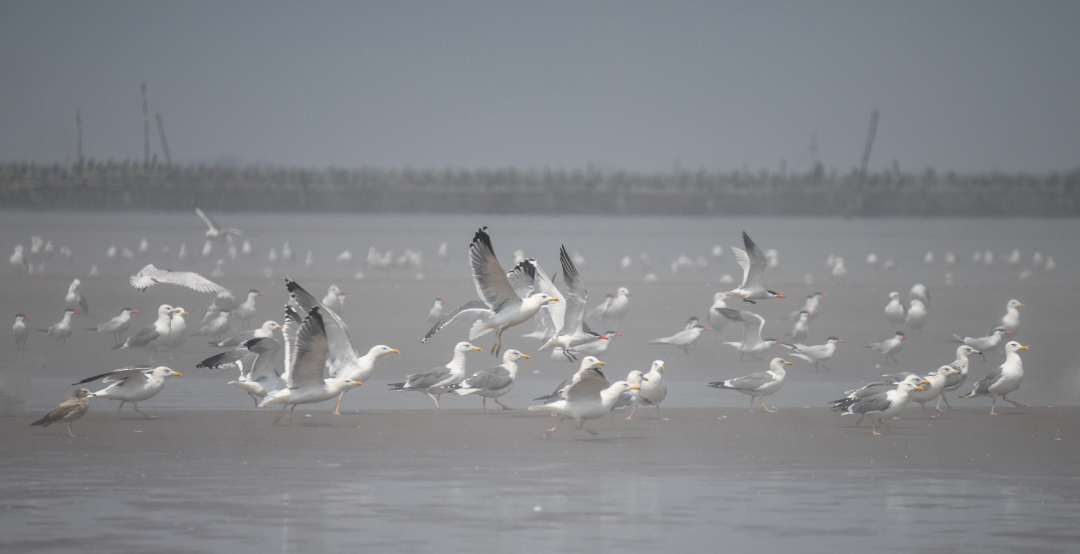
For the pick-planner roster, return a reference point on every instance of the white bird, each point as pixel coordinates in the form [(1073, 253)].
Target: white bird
[(183, 254), (916, 315), (894, 310), (217, 326), (435, 314), (61, 330), (572, 329), (588, 396), (74, 297), (933, 384), (309, 260), (683, 339), (984, 344), (615, 307), (857, 395), (629, 399), (890, 346), (19, 331), (928, 258), (69, 410), (255, 359), (177, 329), (223, 301), (838, 271), (885, 404), (436, 382), (815, 354), (335, 299), (1049, 265), (144, 247), (150, 275), (801, 330), (752, 323), (152, 336), (358, 369), (654, 389), (306, 352), (810, 307), (717, 321), (272, 257), (379, 261), (494, 381), (245, 249), (219, 269), (956, 380), (1014, 257), (131, 384), (215, 231), (18, 260), (950, 259), (596, 349), (207, 249), (753, 263), (500, 307), (919, 290), (1011, 320), (758, 385), (265, 330), (444, 251), (871, 260), (286, 253), (246, 309), (112, 253), (1004, 380), (117, 325)]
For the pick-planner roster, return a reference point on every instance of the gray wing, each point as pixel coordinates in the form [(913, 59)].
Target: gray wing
[(82, 304), (311, 352), (143, 337), (488, 276), (752, 323), (476, 308), (265, 350), (587, 384), (873, 403), (984, 384), (427, 380), (898, 376), (187, 279), (557, 394), (493, 378), (341, 350), (224, 359), (574, 314), (554, 311), (289, 330), (757, 260), (752, 382), (119, 374), (237, 339), (209, 221), (523, 278)]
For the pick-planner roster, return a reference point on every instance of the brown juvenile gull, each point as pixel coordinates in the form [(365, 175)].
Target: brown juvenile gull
[(68, 411)]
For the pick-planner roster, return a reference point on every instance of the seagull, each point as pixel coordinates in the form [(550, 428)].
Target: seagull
[(654, 389), (117, 325), (500, 308), (802, 327), (76, 298), (224, 300), (857, 395), (61, 330), (246, 309), (360, 369), (810, 307), (494, 381), (937, 381), (255, 358), (758, 385), (717, 322), (629, 399), (753, 262), (956, 380), (890, 346), (177, 329), (306, 351), (586, 362), (597, 348), (815, 354), (439, 380), (884, 404), (131, 384), (683, 339), (19, 332), (217, 326), (920, 291), (215, 231), (1011, 320), (573, 331), (266, 330), (916, 315), (751, 343), (152, 336), (18, 260), (437, 311), (1004, 379), (68, 411), (335, 299), (150, 275), (984, 344), (584, 399), (894, 310), (616, 308)]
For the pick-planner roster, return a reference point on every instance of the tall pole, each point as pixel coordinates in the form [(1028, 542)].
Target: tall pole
[(146, 129), (869, 144), (78, 134), (164, 145)]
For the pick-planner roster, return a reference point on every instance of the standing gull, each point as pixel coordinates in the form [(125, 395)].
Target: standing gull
[(131, 384), (1011, 320), (916, 315), (717, 321), (857, 395), (654, 389), (582, 399), (151, 336), (68, 411), (890, 346), (177, 330), (494, 381), (438, 381), (500, 308), (894, 310), (758, 385), (117, 325), (1003, 380), (884, 405), (956, 380), (753, 263), (19, 331), (984, 344), (801, 330), (246, 309), (614, 308), (629, 399)]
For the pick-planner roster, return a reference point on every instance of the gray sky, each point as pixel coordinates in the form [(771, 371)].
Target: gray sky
[(969, 86)]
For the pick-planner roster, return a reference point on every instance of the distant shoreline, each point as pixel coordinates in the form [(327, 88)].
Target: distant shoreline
[(109, 186)]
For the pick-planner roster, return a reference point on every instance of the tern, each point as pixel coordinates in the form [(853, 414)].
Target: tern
[(753, 262)]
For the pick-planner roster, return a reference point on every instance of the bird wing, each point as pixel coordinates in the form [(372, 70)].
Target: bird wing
[(553, 310), (756, 262), (488, 276), (224, 359), (557, 394), (752, 382), (311, 350), (984, 384), (150, 275), (206, 218), (752, 324), (492, 378), (119, 374), (574, 310), (427, 380), (523, 278), (340, 343), (876, 402), (265, 349), (587, 384), (744, 261), (289, 331), (60, 412), (144, 337), (476, 308), (237, 339)]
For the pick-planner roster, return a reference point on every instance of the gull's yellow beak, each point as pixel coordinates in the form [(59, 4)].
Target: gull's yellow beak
[(635, 387), (919, 388), (477, 348), (394, 351), (526, 356), (183, 313), (178, 374), (976, 352), (785, 363), (1020, 305), (600, 363), (925, 382), (1023, 348), (553, 299), (357, 383), (644, 378), (280, 326)]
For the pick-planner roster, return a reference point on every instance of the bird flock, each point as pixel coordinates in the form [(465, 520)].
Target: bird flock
[(322, 363)]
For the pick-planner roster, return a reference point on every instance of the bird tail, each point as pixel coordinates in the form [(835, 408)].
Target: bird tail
[(800, 356), (478, 329), (397, 386), (540, 408), (90, 328), (958, 338), (118, 346), (657, 341), (44, 422), (720, 385)]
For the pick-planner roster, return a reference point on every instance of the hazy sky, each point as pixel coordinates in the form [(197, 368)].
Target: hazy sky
[(969, 86)]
